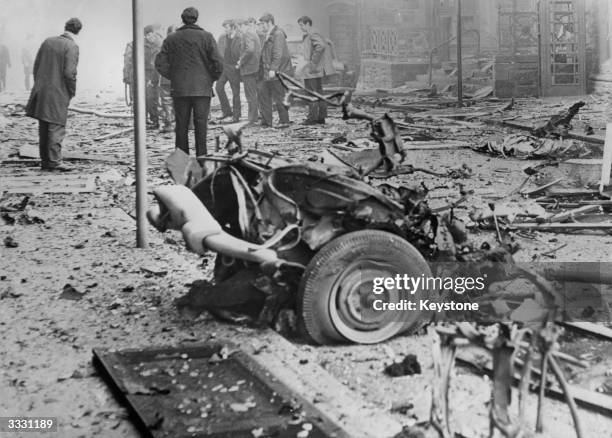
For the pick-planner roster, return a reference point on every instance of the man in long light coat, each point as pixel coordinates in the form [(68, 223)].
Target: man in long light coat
[(319, 63), (55, 75)]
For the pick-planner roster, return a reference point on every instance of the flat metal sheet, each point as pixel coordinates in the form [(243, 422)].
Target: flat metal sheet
[(193, 392), (44, 183)]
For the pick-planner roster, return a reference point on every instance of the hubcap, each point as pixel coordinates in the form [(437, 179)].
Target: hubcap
[(352, 298)]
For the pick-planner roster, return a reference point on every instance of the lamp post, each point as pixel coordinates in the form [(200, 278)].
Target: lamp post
[(459, 63), (140, 151)]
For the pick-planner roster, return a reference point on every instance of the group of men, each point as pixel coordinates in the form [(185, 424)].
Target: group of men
[(182, 69), (249, 52)]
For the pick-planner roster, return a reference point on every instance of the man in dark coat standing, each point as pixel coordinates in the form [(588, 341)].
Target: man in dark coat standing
[(55, 73), (190, 59), (275, 57), (229, 48), (248, 64)]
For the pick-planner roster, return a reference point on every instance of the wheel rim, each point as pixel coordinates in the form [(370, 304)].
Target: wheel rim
[(351, 299)]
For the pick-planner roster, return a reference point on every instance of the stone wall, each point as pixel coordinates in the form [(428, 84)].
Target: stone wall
[(381, 73), (517, 76)]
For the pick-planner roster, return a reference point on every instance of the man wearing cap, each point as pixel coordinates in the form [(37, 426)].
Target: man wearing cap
[(190, 59), (275, 57), (229, 48), (55, 73)]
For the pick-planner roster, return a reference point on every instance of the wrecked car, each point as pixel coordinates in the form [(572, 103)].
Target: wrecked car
[(310, 237)]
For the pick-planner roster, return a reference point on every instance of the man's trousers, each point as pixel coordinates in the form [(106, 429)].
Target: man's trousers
[(317, 111), (272, 91), (50, 136), (232, 76), (167, 111), (183, 108), (152, 103), (250, 90)]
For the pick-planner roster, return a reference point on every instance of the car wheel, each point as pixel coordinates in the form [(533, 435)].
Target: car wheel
[(336, 299)]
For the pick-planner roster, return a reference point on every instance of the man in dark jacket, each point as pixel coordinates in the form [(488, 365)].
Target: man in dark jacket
[(190, 59), (5, 63), (55, 73), (229, 48), (275, 57), (248, 64)]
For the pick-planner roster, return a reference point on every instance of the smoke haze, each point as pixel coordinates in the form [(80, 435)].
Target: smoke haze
[(107, 27)]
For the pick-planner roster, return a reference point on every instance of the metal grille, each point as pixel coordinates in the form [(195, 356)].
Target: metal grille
[(382, 42), (518, 28)]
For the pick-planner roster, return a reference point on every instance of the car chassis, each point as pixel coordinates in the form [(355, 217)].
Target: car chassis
[(313, 237)]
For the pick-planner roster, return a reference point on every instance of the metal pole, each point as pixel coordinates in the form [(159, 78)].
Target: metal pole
[(459, 63), (140, 150)]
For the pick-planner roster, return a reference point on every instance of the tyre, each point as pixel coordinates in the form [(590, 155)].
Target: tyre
[(336, 299)]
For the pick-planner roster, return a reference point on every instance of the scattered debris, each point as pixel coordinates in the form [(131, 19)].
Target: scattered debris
[(100, 114), (407, 367), (14, 205), (10, 242), (154, 270), (529, 147), (70, 293), (10, 292), (559, 124), (121, 132)]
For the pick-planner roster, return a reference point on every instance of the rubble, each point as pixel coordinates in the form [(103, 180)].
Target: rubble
[(528, 147), (407, 367)]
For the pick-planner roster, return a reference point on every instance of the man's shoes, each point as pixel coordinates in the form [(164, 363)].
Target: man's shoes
[(283, 125), (63, 167), (166, 129), (224, 118)]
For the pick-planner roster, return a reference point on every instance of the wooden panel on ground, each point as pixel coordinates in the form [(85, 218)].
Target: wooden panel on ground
[(209, 390), (54, 183), (31, 151), (297, 370)]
